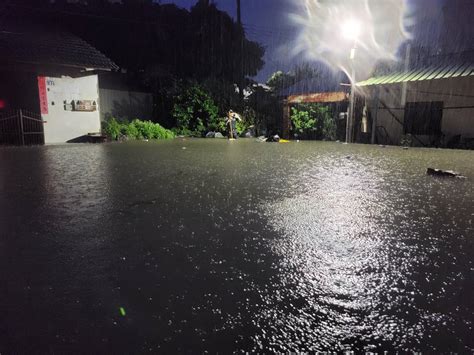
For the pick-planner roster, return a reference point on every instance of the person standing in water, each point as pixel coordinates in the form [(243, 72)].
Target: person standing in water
[(232, 118)]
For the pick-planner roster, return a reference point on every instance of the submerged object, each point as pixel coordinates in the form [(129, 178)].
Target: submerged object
[(275, 138), (443, 173)]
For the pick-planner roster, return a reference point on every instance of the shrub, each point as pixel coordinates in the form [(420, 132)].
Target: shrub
[(218, 125), (303, 121), (241, 127), (136, 129), (195, 111), (313, 121), (131, 131), (112, 128), (329, 126)]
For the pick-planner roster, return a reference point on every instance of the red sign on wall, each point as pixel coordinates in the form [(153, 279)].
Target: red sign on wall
[(43, 95)]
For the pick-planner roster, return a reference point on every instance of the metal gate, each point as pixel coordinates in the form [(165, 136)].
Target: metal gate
[(21, 127)]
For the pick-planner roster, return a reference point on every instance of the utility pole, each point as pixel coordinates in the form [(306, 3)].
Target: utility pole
[(403, 98), (241, 54), (239, 19), (350, 116)]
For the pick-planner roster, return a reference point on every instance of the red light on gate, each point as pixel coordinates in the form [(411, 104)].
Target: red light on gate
[(3, 104)]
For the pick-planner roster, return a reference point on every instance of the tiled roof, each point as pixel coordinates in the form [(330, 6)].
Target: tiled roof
[(39, 46), (432, 72)]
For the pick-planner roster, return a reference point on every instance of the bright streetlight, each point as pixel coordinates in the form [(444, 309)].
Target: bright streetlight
[(351, 29)]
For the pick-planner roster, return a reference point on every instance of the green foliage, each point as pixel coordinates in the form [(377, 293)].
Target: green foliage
[(182, 132), (329, 128), (303, 120), (136, 130), (313, 121), (195, 110), (241, 126), (218, 125), (131, 131), (112, 128), (150, 130)]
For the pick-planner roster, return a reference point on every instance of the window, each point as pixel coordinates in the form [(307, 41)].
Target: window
[(423, 118)]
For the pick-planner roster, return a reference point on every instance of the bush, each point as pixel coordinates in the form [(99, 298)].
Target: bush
[(241, 126), (195, 111), (112, 128), (136, 130), (303, 121), (218, 124), (313, 121), (131, 131)]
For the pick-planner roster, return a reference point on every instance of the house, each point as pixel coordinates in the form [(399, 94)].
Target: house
[(428, 105), (48, 76)]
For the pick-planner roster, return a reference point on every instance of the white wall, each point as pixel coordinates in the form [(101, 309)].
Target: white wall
[(453, 92), (63, 125)]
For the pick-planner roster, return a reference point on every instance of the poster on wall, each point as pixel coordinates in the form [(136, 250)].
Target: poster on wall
[(43, 95), (80, 105)]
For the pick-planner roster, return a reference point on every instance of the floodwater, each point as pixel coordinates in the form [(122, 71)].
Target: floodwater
[(210, 245)]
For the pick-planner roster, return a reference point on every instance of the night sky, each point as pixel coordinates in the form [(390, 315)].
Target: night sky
[(266, 21)]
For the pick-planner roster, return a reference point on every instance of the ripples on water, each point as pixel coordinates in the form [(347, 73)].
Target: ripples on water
[(235, 246)]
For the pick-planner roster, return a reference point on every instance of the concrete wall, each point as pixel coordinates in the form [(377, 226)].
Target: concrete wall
[(457, 94), (125, 104), (62, 123)]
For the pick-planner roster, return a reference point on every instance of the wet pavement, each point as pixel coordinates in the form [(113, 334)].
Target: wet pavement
[(210, 245)]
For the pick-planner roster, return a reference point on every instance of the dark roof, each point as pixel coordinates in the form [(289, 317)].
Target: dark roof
[(430, 72), (41, 46), (328, 82)]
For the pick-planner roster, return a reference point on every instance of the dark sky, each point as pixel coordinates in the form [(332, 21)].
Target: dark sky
[(266, 21)]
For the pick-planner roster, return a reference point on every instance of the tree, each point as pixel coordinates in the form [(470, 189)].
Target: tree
[(266, 109), (220, 48), (280, 80)]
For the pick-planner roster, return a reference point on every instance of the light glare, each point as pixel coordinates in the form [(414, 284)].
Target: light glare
[(351, 29)]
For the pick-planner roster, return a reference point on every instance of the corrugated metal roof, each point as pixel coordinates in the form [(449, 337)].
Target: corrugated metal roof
[(439, 71)]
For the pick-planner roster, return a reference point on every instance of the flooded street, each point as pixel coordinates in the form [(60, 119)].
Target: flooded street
[(211, 245)]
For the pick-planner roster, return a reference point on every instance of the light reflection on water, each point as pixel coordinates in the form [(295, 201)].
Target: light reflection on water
[(235, 246), (353, 239)]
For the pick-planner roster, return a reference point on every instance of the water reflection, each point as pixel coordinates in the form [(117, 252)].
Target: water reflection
[(352, 243), (228, 246)]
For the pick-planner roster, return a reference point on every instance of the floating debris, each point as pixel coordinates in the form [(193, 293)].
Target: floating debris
[(444, 173), (122, 311)]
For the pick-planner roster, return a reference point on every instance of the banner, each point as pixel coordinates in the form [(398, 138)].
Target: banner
[(43, 95)]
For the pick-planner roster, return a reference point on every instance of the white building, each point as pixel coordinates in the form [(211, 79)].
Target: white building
[(431, 106), (52, 77)]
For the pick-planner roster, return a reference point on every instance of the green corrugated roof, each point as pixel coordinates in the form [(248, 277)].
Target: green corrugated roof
[(439, 71)]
